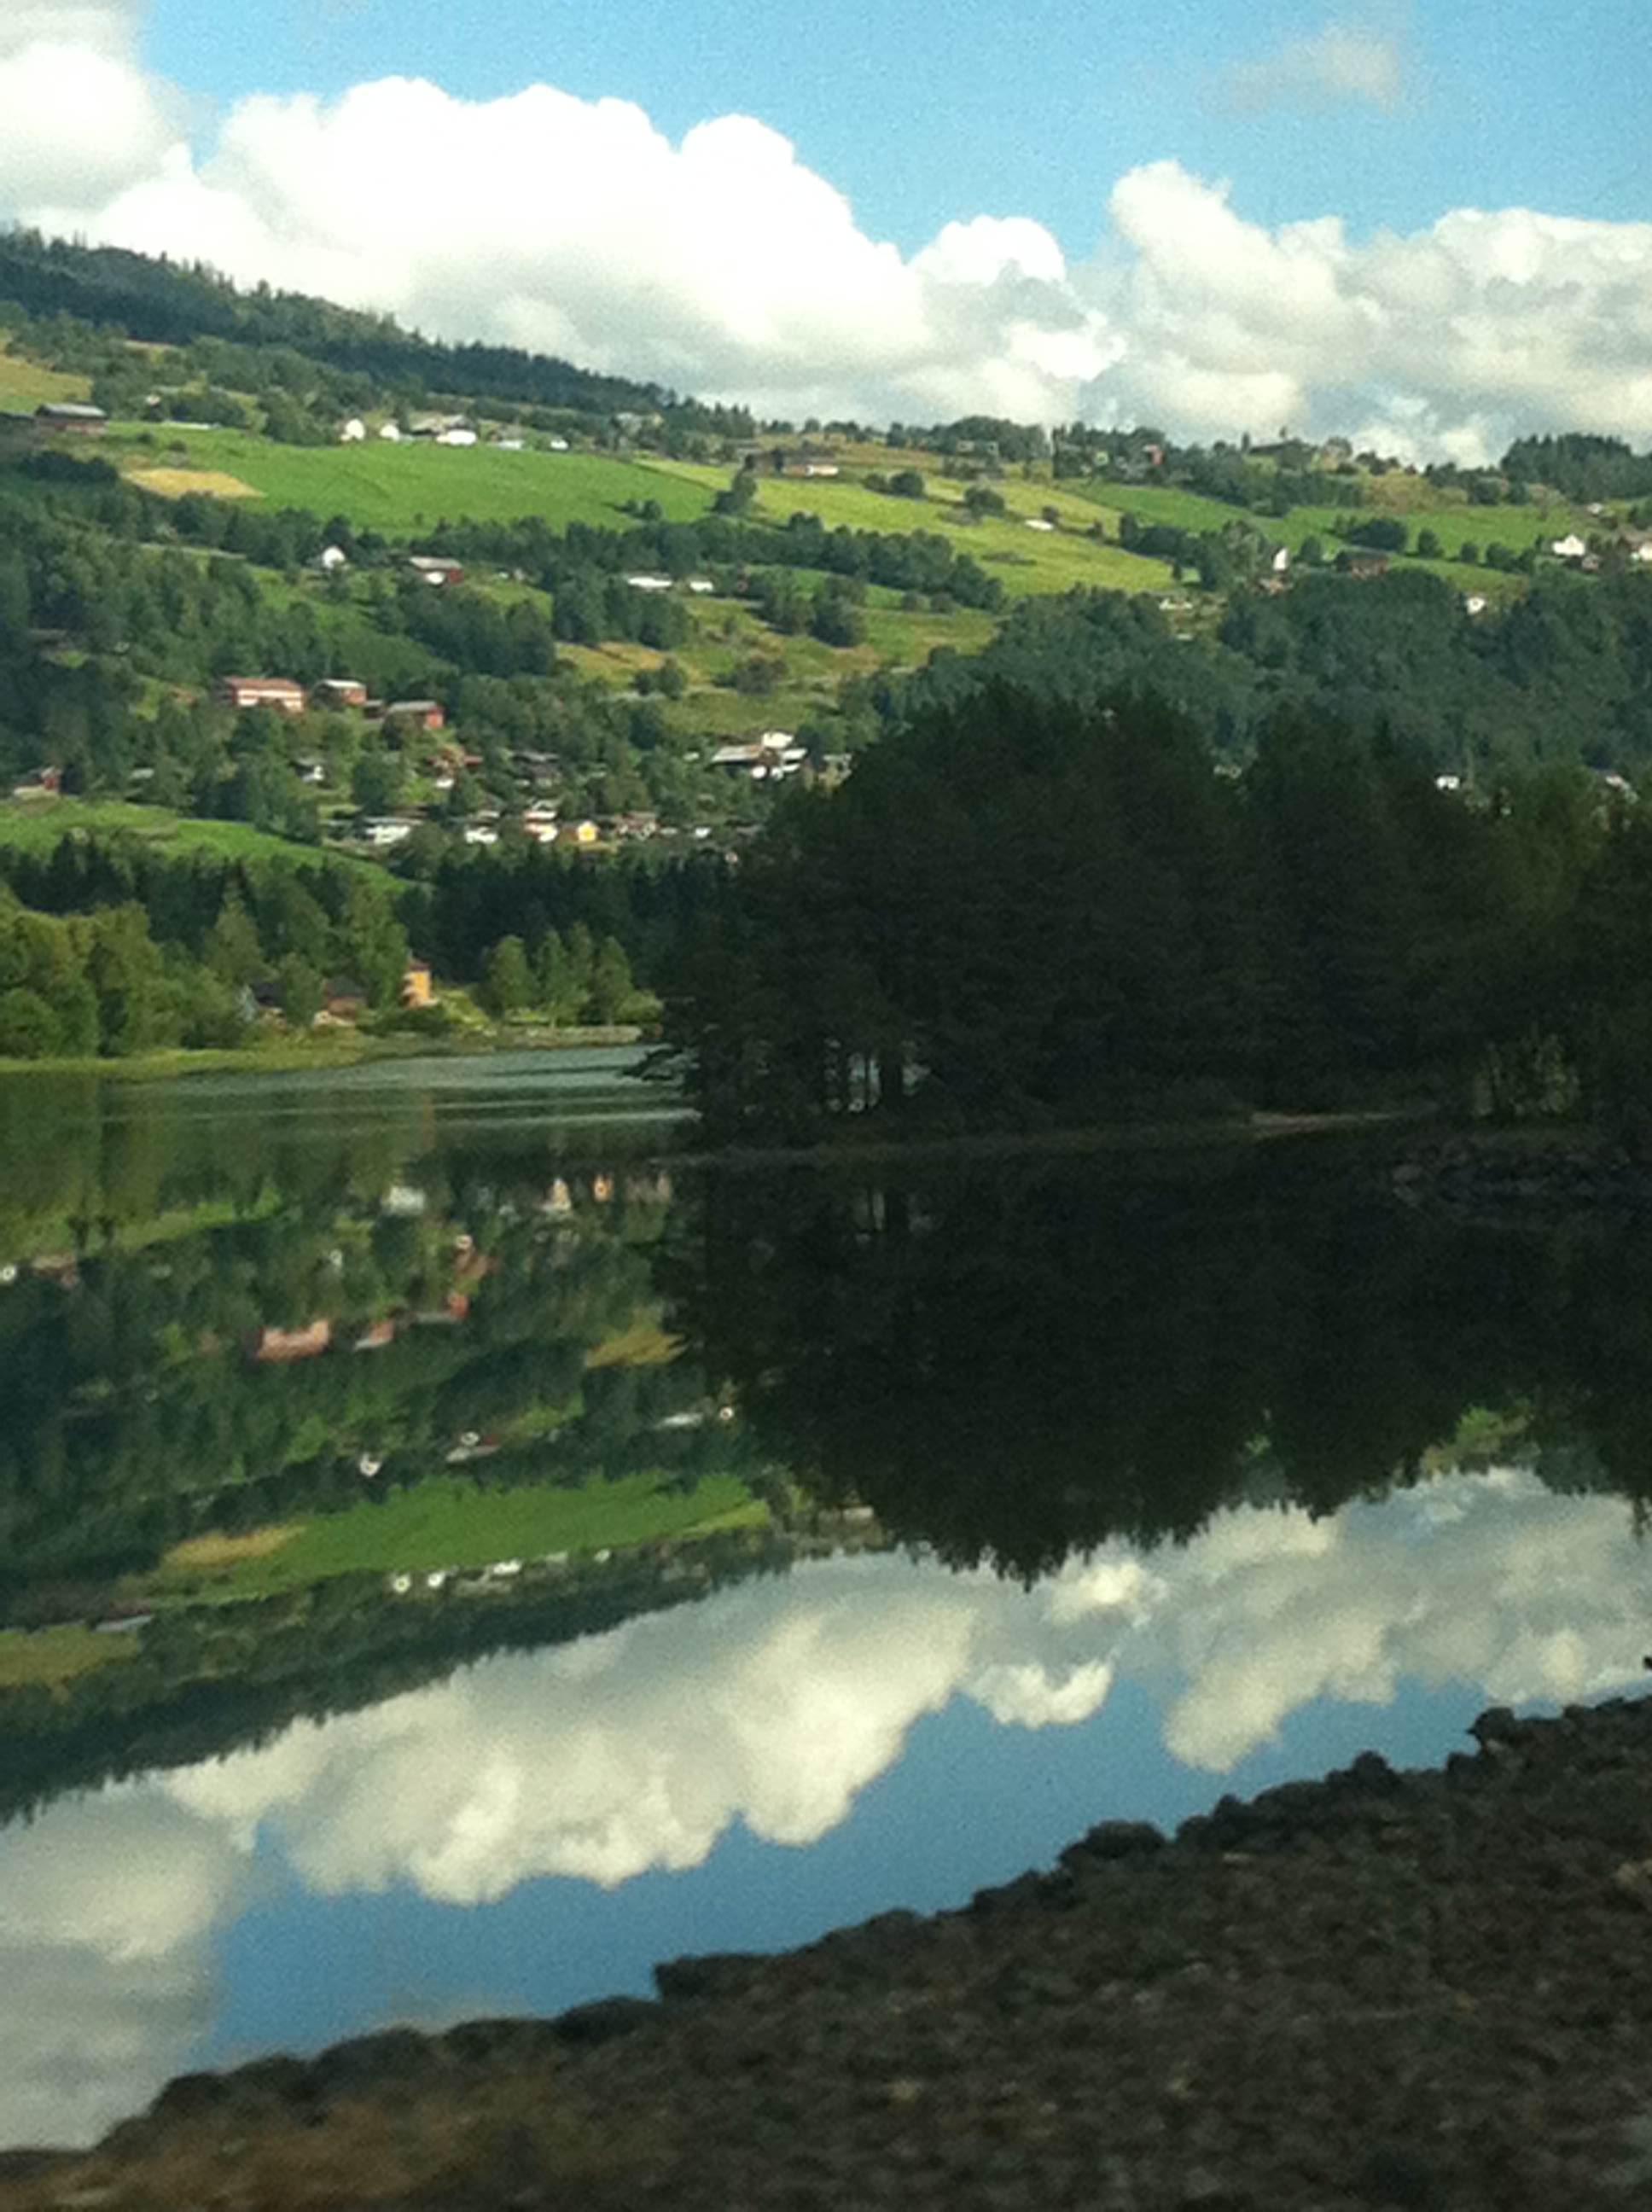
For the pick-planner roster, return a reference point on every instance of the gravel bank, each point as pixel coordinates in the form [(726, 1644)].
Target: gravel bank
[(1430, 1990)]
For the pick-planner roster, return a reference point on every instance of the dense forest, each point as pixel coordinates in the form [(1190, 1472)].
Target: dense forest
[(1049, 901)]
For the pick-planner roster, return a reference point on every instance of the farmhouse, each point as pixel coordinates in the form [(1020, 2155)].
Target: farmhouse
[(1570, 548), (418, 985), (72, 414), (353, 432), (245, 692), (339, 691), (433, 568), (332, 558), (40, 783), (426, 713), (649, 583), (773, 755), (382, 831), (392, 431), (457, 436)]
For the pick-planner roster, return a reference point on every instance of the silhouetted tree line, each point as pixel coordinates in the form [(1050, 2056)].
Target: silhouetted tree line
[(1028, 906)]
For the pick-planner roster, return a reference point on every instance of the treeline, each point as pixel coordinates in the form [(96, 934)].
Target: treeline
[(161, 301), (108, 950), (110, 945), (1563, 673), (1584, 467), (1028, 908)]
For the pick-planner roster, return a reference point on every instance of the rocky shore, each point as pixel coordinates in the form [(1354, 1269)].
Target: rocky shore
[(1522, 1172), (1427, 1989)]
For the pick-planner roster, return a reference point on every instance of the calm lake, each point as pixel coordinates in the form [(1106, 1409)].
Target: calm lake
[(454, 1558)]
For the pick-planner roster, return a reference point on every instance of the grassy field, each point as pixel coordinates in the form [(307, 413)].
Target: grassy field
[(35, 825), (409, 487), (1025, 561), (25, 384), (1453, 523), (48, 1656), (447, 1523)]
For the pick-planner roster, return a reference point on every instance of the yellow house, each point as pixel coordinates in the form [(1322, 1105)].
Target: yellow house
[(418, 985), (580, 833)]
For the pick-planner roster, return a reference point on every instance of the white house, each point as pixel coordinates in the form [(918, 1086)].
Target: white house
[(1038, 522), (330, 558), (1474, 602), (481, 833), (558, 444), (510, 445), (1281, 563), (384, 830), (700, 585), (353, 432), (1570, 548), (456, 437), (390, 430), (649, 583)]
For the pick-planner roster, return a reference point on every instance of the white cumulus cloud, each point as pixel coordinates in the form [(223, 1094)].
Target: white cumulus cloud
[(720, 263)]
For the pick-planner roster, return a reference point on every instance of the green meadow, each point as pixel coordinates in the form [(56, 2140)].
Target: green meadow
[(1026, 561), (408, 487), (27, 384), (36, 826)]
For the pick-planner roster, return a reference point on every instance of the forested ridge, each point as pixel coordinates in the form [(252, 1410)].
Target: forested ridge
[(1051, 902)]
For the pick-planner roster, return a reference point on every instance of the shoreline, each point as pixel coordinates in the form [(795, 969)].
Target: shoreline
[(1381, 1989), (299, 1055)]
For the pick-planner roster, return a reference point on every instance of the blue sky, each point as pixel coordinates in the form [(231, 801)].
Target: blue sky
[(1400, 220), (1033, 110)]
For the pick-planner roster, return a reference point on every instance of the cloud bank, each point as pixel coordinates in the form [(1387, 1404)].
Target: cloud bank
[(722, 264)]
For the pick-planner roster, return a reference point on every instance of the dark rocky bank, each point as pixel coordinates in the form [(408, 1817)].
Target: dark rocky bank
[(1427, 1989), (1517, 1173)]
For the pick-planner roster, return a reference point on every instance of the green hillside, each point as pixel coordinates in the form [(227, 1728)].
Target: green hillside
[(1025, 561), (409, 487)]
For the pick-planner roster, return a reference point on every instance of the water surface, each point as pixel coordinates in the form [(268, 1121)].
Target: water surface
[(805, 1544)]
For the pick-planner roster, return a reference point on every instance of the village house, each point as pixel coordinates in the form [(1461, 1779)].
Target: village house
[(311, 772), (391, 432), (40, 783), (243, 693), (700, 585), (1361, 561), (579, 833), (382, 831), (775, 754), (72, 414), (1570, 548), (424, 714), (337, 692), (353, 432), (649, 583), (458, 435), (481, 833), (418, 985), (435, 568), (331, 559)]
